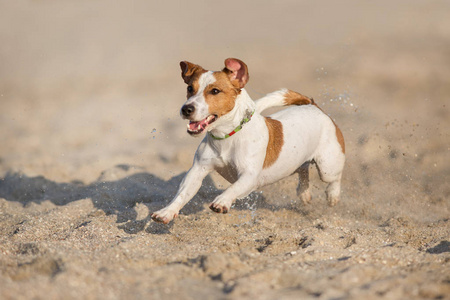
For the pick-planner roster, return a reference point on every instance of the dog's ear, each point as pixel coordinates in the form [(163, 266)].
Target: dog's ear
[(237, 71), (187, 70)]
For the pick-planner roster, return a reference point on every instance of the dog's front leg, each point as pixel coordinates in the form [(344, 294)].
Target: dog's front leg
[(188, 188), (246, 183)]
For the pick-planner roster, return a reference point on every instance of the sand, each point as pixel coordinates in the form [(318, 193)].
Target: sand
[(91, 143)]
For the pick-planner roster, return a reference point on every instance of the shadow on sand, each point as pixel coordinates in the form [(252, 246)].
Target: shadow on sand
[(117, 196), (117, 191)]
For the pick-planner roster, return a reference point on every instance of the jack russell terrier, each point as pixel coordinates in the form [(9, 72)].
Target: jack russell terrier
[(248, 149)]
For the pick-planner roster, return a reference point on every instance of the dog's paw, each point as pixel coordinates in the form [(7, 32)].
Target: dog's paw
[(305, 197), (333, 200), (219, 208), (164, 216)]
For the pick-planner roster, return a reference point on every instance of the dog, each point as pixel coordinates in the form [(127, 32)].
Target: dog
[(248, 149)]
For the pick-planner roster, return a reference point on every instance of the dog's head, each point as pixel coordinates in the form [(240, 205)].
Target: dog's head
[(211, 95)]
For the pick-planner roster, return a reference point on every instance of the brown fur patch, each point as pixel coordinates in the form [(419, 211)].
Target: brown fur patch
[(276, 141), (294, 98), (191, 73), (223, 102), (340, 138), (194, 82)]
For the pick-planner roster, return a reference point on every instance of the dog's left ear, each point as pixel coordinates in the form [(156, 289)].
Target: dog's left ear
[(237, 71), (188, 69)]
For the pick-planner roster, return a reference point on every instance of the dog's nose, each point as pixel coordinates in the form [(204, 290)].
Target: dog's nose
[(187, 110)]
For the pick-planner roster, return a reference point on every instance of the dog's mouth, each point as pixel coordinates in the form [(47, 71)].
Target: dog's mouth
[(197, 127)]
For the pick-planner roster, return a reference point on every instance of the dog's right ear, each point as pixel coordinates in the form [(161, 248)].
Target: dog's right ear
[(187, 70)]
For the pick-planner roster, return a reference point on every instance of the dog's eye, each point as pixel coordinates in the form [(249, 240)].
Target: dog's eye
[(215, 91), (190, 89)]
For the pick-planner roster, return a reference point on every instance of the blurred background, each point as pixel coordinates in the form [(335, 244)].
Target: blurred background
[(86, 85)]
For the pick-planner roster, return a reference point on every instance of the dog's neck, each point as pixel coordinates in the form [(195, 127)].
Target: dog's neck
[(229, 122)]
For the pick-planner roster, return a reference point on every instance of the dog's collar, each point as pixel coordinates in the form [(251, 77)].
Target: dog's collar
[(247, 119)]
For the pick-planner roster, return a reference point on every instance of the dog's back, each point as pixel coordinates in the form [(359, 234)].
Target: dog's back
[(307, 133)]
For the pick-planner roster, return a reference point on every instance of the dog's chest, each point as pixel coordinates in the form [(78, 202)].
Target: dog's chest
[(228, 172), (226, 160)]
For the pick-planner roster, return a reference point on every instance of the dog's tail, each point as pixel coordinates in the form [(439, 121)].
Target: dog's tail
[(283, 97)]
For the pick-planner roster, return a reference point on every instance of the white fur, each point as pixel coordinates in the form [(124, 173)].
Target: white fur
[(270, 100), (308, 133)]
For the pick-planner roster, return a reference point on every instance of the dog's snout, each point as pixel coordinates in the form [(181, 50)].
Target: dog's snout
[(187, 110)]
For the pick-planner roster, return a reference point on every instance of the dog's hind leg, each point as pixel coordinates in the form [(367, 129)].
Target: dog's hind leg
[(330, 171), (303, 183)]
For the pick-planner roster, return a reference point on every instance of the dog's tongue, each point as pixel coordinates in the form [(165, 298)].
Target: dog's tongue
[(194, 126), (199, 126)]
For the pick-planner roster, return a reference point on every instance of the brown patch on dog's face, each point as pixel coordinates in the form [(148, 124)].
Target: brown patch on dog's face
[(191, 73), (220, 95), (276, 141)]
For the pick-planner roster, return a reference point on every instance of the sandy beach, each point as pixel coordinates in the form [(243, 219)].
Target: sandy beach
[(91, 143)]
